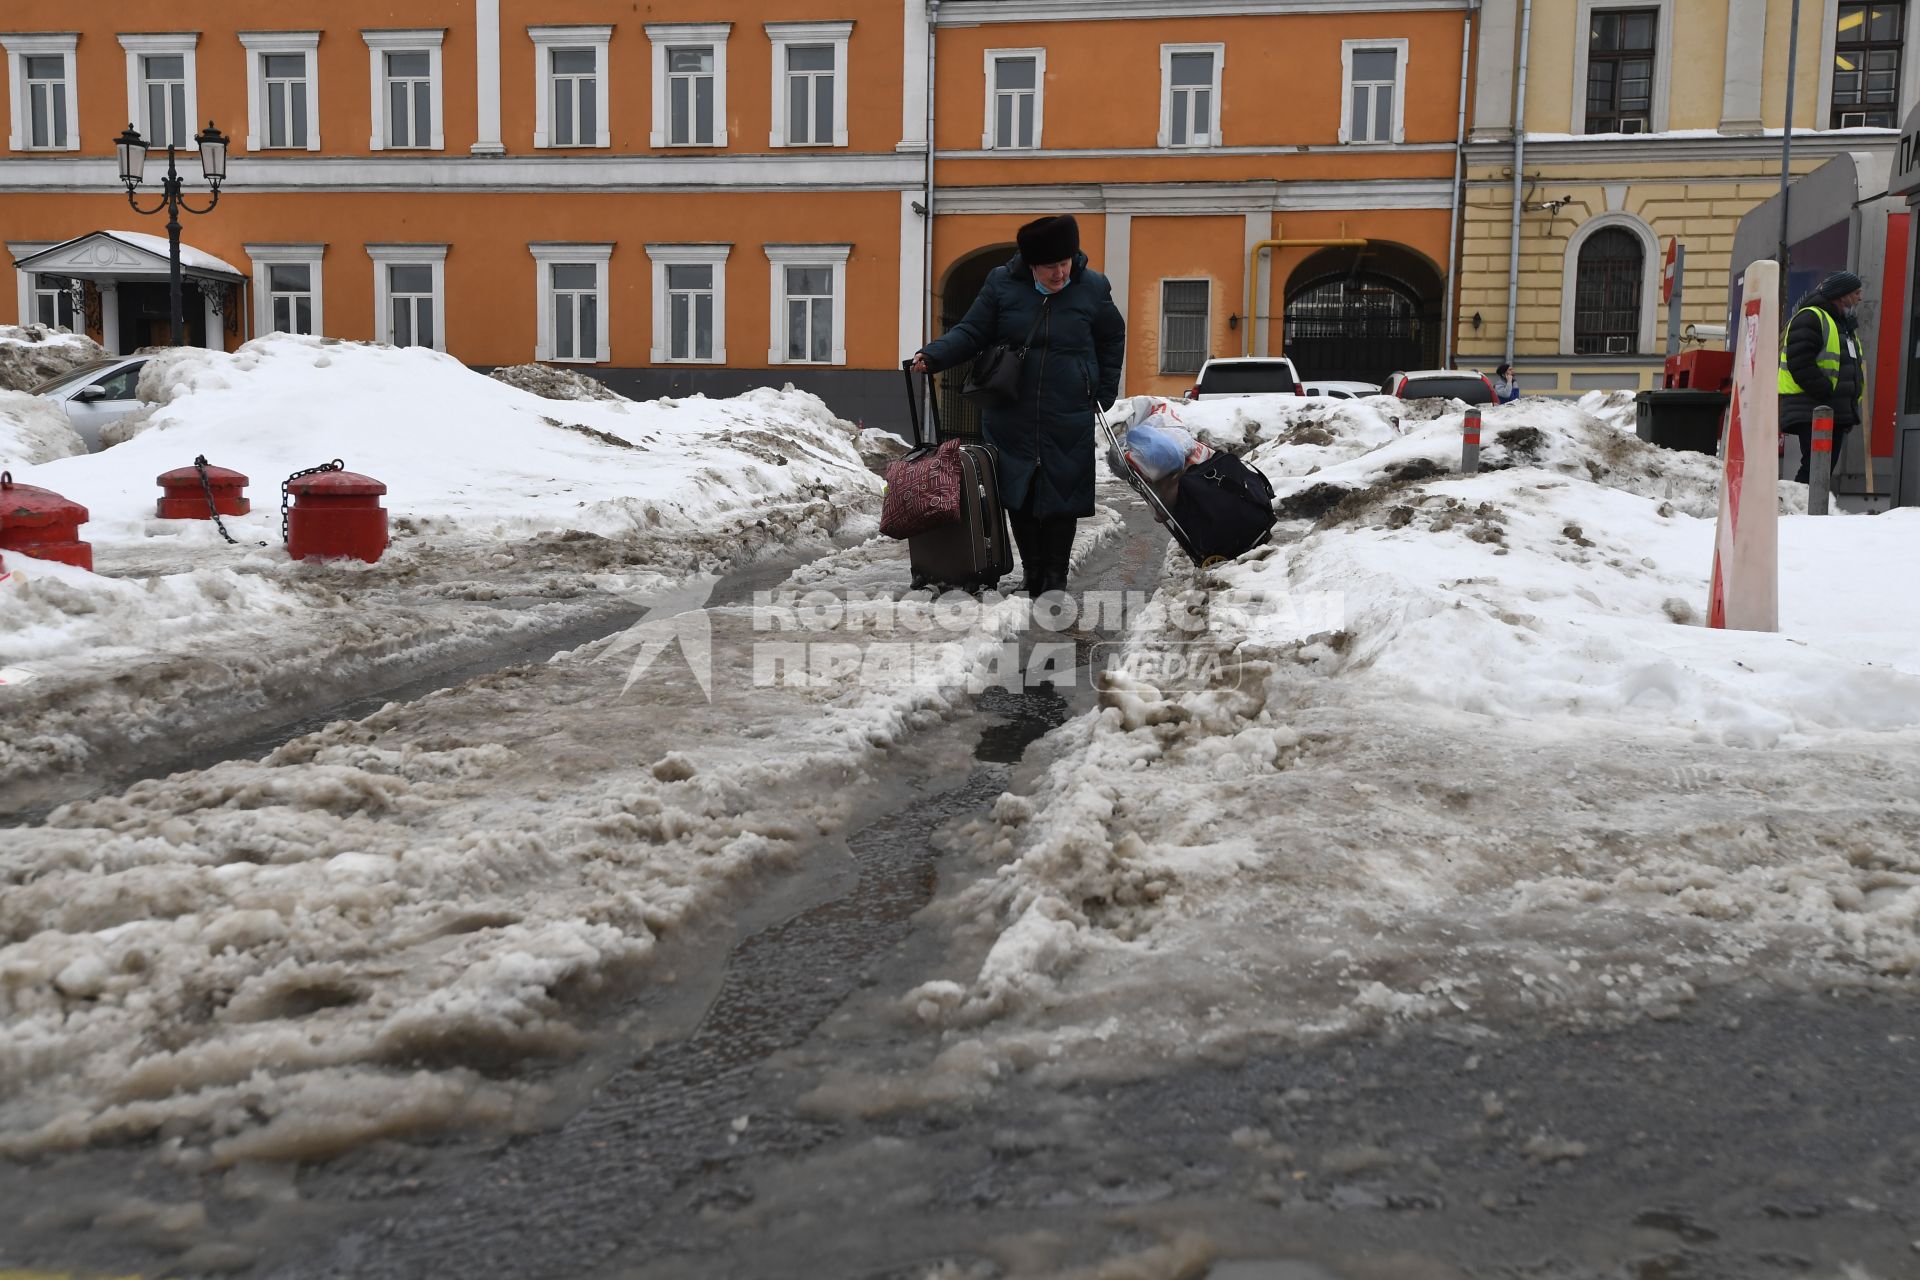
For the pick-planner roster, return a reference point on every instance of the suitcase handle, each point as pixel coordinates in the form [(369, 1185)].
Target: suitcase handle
[(913, 405)]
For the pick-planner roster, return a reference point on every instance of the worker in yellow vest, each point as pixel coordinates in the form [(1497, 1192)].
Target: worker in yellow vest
[(1820, 364)]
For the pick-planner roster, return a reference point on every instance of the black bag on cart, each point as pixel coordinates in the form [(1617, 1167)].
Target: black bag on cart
[(975, 551), (1215, 510)]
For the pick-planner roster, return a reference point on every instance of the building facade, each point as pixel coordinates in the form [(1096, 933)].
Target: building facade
[(1646, 121), (704, 198)]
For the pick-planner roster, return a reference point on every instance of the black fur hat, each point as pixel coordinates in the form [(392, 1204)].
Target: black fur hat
[(1047, 240)]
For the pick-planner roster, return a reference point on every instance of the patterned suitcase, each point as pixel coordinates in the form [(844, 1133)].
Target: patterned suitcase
[(976, 551)]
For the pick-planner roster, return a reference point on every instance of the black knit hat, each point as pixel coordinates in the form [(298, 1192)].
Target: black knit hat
[(1839, 285), (1047, 240)]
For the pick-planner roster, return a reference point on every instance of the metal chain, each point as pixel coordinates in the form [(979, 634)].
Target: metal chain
[(286, 488), (213, 508)]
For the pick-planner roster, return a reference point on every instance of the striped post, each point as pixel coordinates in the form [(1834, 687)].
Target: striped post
[(1470, 443), (1820, 467)]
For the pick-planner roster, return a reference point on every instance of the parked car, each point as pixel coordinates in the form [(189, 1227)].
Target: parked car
[(1450, 384), (96, 394), (1342, 390), (1246, 376)]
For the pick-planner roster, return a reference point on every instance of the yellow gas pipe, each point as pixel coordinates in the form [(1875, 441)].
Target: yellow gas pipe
[(1253, 271)]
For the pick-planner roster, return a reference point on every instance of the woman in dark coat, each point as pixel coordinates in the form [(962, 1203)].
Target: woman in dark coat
[(1045, 438)]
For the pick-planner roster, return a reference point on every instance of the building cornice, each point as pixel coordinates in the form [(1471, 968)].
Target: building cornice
[(1199, 198), (975, 13), (871, 171), (1654, 148)]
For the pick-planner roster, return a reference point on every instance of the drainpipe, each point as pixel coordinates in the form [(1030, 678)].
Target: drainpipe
[(1519, 176), (926, 252), (1459, 202), (1253, 270)]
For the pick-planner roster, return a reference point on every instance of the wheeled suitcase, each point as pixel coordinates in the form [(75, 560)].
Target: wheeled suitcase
[(974, 552)]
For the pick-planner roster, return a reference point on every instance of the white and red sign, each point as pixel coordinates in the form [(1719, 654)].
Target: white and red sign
[(1745, 595), (1667, 271)]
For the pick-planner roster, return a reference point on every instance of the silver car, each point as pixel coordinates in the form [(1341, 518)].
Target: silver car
[(96, 393)]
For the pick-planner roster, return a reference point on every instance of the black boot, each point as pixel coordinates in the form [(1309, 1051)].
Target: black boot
[(1029, 537), (1056, 553)]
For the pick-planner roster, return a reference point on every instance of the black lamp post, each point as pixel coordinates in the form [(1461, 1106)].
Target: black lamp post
[(213, 166)]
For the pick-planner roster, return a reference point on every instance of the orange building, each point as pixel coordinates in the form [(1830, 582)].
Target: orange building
[(702, 198)]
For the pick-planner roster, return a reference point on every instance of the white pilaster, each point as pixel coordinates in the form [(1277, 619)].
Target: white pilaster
[(1117, 265), (1493, 71), (913, 276), (486, 23), (913, 78), (1746, 69), (1259, 227)]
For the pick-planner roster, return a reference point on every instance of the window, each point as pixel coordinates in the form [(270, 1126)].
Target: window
[(1866, 65), (53, 302), (409, 287), (283, 111), (1190, 94), (809, 83), (1183, 324), (809, 317), (121, 384), (1606, 305), (45, 104), (1620, 52), (1014, 80), (572, 323), (689, 84), (571, 84), (162, 88), (286, 287), (1374, 109), (406, 77), (689, 303)]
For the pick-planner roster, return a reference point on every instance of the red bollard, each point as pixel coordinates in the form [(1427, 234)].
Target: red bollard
[(336, 515), (1470, 443), (40, 523), (184, 497), (1820, 466)]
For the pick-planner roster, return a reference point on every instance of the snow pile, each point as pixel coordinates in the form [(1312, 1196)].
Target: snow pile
[(1514, 776), (31, 354), (552, 382), (34, 430), (461, 449)]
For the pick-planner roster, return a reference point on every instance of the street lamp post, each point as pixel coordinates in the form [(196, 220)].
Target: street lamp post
[(213, 166)]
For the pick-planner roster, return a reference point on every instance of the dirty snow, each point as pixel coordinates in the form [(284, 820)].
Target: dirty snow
[(1520, 779), (32, 353), (33, 430)]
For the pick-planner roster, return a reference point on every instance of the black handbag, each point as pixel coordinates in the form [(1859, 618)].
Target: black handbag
[(994, 379)]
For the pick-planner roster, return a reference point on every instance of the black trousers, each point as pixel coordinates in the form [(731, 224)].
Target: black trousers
[(1803, 432)]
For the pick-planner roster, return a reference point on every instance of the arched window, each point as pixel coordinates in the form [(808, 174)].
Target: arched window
[(1358, 326), (1606, 297)]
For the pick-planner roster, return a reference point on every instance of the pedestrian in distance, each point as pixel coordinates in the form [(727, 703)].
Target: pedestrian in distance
[(1048, 299), (1820, 365), (1506, 387)]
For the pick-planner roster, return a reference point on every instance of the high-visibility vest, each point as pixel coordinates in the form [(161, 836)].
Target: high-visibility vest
[(1829, 360)]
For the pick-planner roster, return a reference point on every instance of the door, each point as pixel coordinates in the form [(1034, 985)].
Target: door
[(146, 316), (104, 400)]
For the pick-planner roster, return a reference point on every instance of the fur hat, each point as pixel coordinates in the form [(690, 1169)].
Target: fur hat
[(1838, 285), (1047, 240)]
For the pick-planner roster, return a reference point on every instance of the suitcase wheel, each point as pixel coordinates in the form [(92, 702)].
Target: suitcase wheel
[(918, 581)]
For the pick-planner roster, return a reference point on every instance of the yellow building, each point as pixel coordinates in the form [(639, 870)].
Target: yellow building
[(1634, 122)]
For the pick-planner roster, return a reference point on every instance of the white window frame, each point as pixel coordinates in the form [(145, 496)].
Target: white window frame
[(545, 41), (386, 255), (993, 56), (710, 255), (1206, 324), (1219, 52), (1399, 132), (23, 45), (258, 45), (784, 36), (162, 44), (782, 256), (666, 35), (410, 40), (263, 256), (1662, 61), (1649, 277), (1909, 61), (549, 253)]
